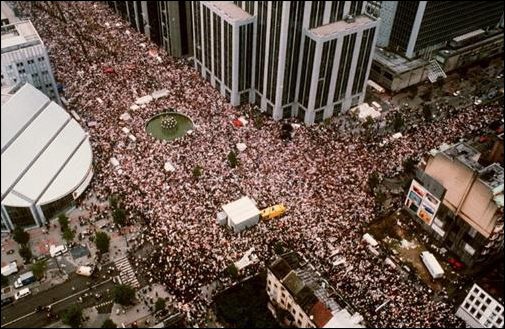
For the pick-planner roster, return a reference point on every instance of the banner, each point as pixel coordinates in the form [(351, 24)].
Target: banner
[(422, 202)]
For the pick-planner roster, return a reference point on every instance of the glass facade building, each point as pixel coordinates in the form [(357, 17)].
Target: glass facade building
[(418, 28), (290, 54)]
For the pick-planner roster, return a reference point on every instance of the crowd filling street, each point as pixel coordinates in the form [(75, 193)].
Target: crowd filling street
[(320, 175)]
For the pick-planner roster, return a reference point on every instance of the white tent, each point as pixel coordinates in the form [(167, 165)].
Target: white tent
[(241, 147), (169, 167), (114, 162), (144, 100), (160, 93), (125, 116), (242, 214)]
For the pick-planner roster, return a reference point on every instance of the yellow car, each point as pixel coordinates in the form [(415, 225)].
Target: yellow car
[(273, 212)]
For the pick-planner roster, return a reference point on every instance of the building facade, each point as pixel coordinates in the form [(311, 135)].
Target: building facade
[(422, 40), (294, 286), (460, 202), (25, 59), (166, 23), (417, 28), (481, 310), (307, 59)]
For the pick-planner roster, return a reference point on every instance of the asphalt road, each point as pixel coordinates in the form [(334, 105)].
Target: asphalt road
[(28, 304)]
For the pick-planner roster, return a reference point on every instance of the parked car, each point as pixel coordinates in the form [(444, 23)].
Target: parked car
[(22, 293)]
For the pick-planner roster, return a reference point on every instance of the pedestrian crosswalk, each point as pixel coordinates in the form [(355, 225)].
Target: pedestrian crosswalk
[(104, 303), (126, 273)]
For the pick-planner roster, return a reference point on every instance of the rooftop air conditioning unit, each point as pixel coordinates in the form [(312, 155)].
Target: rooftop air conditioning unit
[(350, 19)]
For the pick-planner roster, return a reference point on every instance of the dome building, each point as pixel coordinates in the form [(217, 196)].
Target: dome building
[(46, 159)]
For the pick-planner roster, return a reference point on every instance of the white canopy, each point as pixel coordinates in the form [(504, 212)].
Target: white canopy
[(364, 110), (144, 100), (169, 167), (241, 147), (125, 116)]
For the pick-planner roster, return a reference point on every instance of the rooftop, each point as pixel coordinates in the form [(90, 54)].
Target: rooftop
[(45, 153), (492, 176), (312, 293), (228, 11), (241, 210), (465, 154), (397, 63), (8, 13), (19, 35), (341, 27)]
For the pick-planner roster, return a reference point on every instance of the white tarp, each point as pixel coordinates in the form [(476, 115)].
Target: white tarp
[(370, 240), (241, 147), (397, 135), (364, 110), (243, 120), (125, 116), (249, 258), (134, 107), (241, 213), (144, 100), (114, 162), (160, 93), (169, 167)]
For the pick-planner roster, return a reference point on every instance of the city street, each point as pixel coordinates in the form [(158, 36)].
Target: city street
[(28, 304)]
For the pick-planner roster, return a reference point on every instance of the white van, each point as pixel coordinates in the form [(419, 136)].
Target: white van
[(432, 265), (22, 293), (57, 250)]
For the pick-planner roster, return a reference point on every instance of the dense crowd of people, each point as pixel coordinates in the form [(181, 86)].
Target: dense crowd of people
[(320, 175)]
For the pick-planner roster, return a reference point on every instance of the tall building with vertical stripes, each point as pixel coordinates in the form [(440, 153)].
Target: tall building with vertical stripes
[(308, 59)]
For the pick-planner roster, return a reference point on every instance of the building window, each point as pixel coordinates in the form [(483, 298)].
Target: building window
[(40, 59), (20, 216), (472, 232), (299, 322)]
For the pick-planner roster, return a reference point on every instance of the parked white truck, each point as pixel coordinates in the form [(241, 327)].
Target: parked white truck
[(432, 265)]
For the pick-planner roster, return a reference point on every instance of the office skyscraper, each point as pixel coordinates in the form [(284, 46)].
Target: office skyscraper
[(417, 28), (166, 23), (307, 59)]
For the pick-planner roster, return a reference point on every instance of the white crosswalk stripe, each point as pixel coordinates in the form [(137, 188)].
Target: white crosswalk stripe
[(126, 272)]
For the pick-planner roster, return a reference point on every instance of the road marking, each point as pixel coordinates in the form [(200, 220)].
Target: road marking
[(56, 302)]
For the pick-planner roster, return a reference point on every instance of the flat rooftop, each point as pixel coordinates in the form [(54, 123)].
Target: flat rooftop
[(8, 13), (228, 11), (19, 35), (331, 29), (465, 154), (397, 63), (492, 176)]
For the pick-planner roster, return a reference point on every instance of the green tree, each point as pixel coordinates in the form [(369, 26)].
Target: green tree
[(113, 201), (232, 270), (72, 316), (63, 220), (409, 165), (160, 304), (119, 216), (427, 113), (232, 159), (39, 268), (368, 123), (197, 171), (102, 241), (68, 235), (5, 281), (20, 236), (123, 294), (398, 122), (373, 180), (109, 324), (26, 253)]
